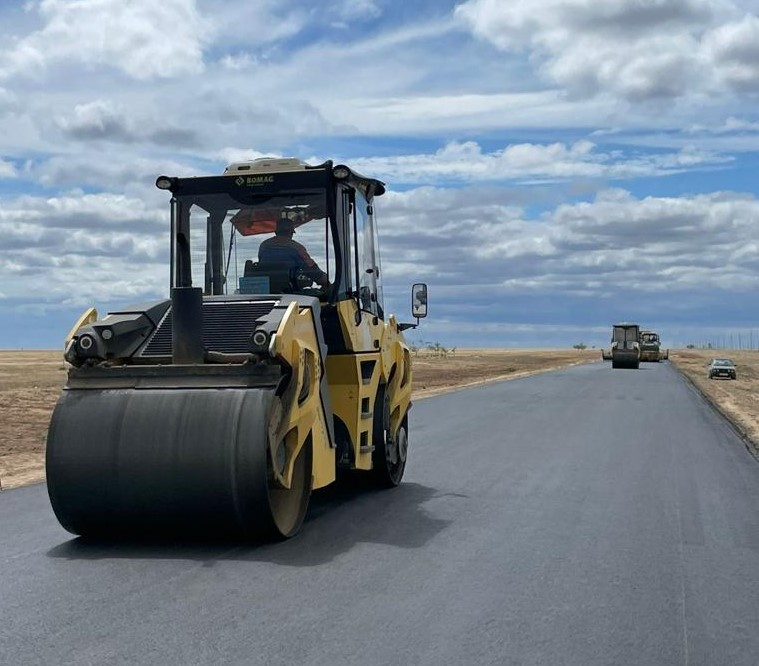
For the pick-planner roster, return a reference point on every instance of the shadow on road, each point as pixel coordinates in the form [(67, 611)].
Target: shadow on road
[(340, 517)]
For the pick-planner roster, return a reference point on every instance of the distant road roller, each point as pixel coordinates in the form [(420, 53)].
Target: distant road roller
[(650, 347), (271, 366), (625, 346)]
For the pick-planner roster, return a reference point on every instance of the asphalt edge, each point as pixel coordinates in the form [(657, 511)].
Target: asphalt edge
[(752, 446), (424, 394)]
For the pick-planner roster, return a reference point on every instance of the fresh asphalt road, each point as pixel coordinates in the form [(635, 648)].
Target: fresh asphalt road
[(584, 516)]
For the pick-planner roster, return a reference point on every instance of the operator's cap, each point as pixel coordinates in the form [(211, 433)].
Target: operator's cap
[(285, 225)]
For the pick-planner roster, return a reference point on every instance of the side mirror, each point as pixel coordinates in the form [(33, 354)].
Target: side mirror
[(419, 300)]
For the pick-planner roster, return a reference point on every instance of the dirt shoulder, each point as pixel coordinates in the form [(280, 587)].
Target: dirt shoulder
[(31, 381), (436, 374), (737, 400)]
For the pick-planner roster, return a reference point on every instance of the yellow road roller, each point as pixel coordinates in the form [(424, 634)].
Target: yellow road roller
[(271, 367), (650, 347)]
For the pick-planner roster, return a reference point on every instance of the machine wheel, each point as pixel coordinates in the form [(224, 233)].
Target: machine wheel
[(389, 456), (288, 506), (615, 365), (169, 462)]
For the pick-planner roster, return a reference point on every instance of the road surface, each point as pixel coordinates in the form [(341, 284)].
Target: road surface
[(584, 516)]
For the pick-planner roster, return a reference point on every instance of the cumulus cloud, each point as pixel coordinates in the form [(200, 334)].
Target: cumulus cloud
[(492, 180), (529, 162), (143, 39), (485, 256), (81, 248), (652, 244), (97, 120), (640, 51), (675, 259), (734, 50), (106, 120)]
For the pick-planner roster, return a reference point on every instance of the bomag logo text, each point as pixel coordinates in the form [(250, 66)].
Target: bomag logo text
[(254, 180)]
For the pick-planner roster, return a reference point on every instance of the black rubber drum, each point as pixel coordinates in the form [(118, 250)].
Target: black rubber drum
[(149, 462)]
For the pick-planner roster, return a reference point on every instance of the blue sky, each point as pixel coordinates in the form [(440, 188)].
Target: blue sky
[(553, 166)]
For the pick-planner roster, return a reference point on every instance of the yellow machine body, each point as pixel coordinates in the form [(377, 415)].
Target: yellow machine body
[(222, 408)]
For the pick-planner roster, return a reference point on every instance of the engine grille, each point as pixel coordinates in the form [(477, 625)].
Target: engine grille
[(227, 326)]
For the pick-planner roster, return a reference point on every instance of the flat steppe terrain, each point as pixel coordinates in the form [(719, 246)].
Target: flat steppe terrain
[(738, 400), (30, 382)]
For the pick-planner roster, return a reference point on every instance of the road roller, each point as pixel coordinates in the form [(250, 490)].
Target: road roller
[(650, 347), (625, 345), (270, 367)]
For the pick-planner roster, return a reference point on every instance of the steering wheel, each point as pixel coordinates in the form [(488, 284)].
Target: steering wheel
[(300, 280)]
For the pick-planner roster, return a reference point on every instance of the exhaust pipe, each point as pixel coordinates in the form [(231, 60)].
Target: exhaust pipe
[(187, 325)]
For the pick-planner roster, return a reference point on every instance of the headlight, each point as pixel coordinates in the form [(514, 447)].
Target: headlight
[(86, 342), (259, 341), (164, 182)]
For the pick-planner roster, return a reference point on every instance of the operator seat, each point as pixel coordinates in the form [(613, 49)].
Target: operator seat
[(280, 277)]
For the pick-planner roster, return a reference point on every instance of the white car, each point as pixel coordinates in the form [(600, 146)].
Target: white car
[(722, 367)]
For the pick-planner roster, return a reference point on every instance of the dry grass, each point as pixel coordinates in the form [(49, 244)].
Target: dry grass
[(738, 400), (30, 383), (435, 374)]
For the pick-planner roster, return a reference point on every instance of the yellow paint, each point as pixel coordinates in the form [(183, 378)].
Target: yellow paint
[(348, 392), (293, 420), (372, 340), (396, 361), (299, 412)]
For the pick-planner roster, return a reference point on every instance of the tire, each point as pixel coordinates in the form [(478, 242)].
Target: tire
[(389, 456)]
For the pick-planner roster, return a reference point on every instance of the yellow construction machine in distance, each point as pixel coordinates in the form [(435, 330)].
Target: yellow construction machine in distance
[(650, 347)]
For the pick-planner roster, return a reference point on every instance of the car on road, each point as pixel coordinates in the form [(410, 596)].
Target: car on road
[(722, 367)]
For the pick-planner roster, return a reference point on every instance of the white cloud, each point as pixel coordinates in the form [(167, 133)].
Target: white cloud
[(98, 119), (355, 10), (144, 39), (7, 169), (653, 244), (81, 248), (481, 252), (97, 97), (738, 125), (641, 51), (528, 162), (734, 50)]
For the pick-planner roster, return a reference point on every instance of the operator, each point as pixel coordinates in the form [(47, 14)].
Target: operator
[(282, 249)]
